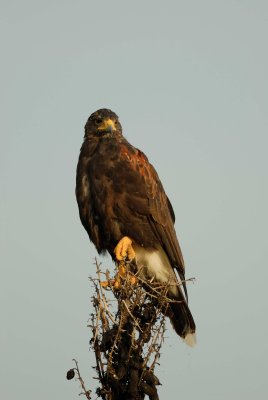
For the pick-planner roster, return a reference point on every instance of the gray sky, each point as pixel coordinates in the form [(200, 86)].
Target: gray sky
[(189, 82)]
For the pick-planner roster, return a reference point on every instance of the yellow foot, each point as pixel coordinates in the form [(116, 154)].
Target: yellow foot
[(121, 276), (124, 249), (112, 283), (133, 280), (116, 282), (105, 284)]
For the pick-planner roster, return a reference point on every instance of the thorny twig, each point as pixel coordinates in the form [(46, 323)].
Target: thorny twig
[(84, 392), (127, 340)]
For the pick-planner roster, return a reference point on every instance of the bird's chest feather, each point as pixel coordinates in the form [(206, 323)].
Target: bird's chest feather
[(121, 186), (107, 175), (111, 171), (103, 170)]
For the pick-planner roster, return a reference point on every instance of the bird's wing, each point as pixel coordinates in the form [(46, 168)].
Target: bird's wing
[(145, 195), (84, 194)]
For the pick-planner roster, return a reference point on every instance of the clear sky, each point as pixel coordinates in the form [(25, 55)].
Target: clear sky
[(189, 80)]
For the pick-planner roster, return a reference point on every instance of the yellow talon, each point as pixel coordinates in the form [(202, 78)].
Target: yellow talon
[(124, 249), (112, 283), (117, 284), (105, 284), (133, 280), (122, 271)]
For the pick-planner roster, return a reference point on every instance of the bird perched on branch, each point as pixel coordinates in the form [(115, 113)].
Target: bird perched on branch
[(125, 211)]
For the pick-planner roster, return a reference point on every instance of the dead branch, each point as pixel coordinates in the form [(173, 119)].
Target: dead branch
[(128, 326)]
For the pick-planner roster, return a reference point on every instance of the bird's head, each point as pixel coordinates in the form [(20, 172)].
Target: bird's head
[(101, 123)]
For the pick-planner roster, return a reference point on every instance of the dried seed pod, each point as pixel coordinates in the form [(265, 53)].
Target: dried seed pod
[(70, 374)]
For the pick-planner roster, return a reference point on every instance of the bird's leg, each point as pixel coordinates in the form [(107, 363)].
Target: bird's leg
[(124, 250), (124, 254), (123, 274)]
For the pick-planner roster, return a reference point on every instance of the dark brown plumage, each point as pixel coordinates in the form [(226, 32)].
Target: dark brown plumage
[(119, 194)]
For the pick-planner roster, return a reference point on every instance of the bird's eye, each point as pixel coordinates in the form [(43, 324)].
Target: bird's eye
[(98, 121), (115, 122)]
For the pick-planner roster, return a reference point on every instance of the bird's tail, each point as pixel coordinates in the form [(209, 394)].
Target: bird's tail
[(182, 321)]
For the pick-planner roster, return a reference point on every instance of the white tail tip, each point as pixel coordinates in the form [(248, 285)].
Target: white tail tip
[(190, 339)]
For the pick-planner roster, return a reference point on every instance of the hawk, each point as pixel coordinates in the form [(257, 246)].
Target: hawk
[(126, 212)]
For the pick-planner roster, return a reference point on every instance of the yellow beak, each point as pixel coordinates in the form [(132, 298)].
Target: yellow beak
[(107, 125)]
